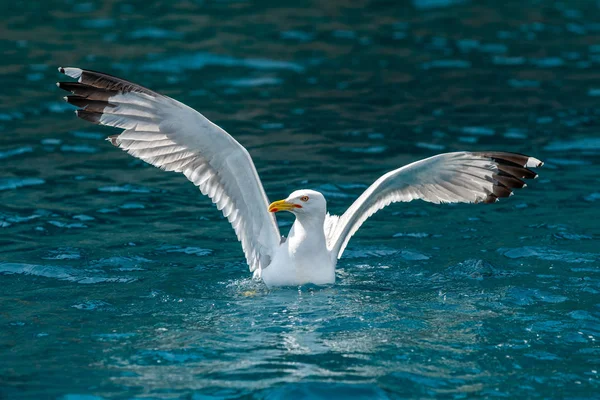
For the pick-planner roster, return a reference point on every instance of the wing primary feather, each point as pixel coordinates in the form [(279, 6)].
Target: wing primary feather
[(90, 116)]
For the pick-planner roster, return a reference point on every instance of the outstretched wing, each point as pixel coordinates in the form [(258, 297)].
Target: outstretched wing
[(174, 137), (460, 177)]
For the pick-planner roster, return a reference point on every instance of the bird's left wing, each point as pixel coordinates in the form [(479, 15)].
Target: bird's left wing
[(174, 137), (460, 177)]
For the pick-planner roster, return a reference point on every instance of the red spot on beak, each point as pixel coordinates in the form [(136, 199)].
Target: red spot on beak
[(274, 209)]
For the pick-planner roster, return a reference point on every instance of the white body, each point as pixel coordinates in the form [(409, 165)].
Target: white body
[(302, 258)]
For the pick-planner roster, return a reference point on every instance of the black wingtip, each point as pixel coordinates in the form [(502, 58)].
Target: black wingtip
[(511, 169), (68, 86), (76, 101), (91, 116)]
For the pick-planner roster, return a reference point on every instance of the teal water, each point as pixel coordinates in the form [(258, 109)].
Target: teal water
[(120, 281)]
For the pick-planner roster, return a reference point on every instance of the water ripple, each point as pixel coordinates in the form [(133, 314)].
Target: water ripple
[(61, 273), (200, 60)]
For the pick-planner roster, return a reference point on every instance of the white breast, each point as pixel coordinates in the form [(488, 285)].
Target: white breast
[(302, 259)]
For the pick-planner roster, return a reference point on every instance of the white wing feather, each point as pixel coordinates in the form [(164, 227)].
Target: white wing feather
[(460, 177), (174, 137)]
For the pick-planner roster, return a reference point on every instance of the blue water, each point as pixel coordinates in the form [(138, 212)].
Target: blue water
[(120, 281)]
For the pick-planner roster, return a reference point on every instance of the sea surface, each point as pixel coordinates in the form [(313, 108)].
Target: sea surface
[(121, 281)]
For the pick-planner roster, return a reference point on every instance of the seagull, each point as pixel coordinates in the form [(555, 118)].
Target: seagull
[(174, 137)]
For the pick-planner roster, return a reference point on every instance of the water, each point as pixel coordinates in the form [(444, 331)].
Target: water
[(121, 281)]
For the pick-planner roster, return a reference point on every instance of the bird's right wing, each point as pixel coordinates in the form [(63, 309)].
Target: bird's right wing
[(174, 137), (460, 177)]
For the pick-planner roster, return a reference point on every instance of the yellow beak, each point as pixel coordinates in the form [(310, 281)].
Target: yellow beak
[(282, 205)]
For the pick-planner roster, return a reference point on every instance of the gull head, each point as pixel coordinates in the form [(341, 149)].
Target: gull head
[(303, 202)]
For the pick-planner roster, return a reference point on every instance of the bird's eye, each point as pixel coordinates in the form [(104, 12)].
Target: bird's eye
[(304, 198)]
